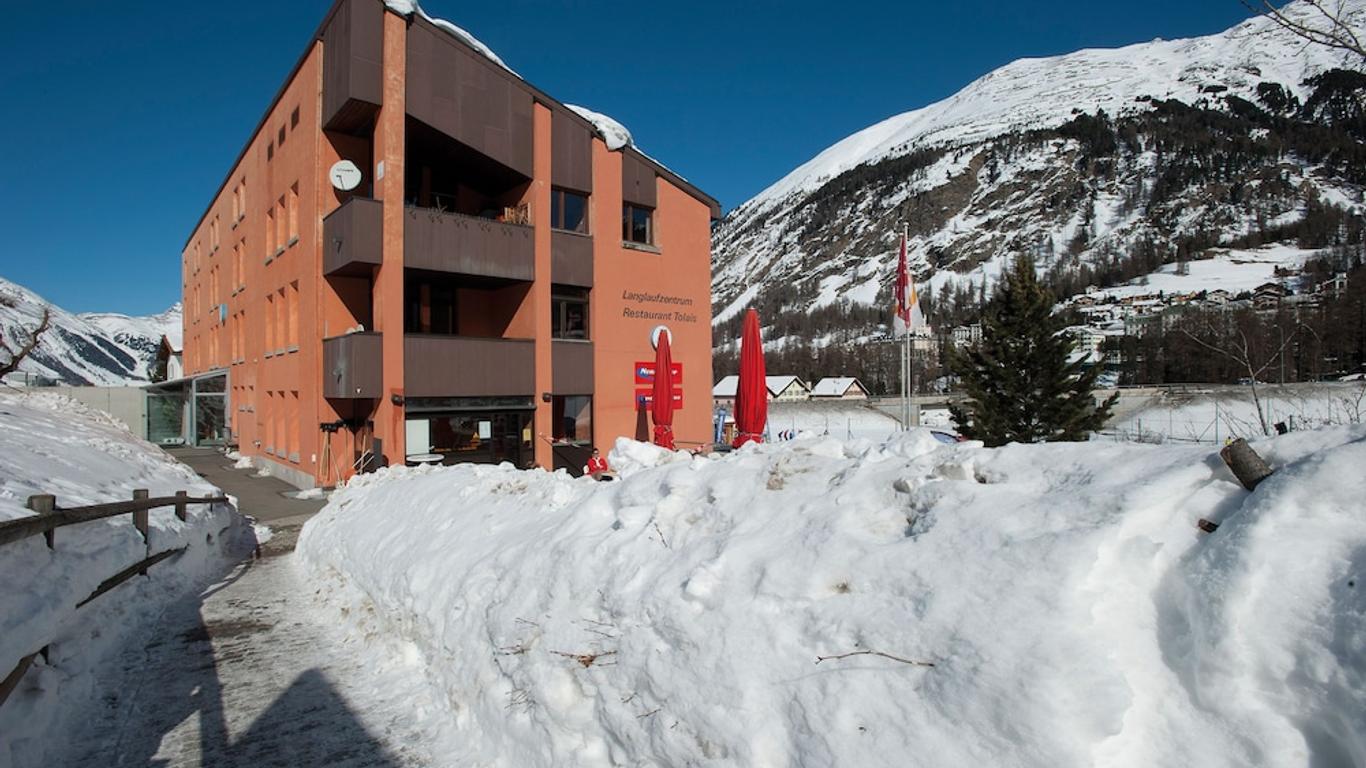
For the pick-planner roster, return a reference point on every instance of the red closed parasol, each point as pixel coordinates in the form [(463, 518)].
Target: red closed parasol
[(662, 405), (751, 399)]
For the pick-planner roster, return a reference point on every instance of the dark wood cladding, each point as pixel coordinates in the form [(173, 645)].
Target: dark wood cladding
[(637, 181), (468, 245), (353, 65), (571, 367), (463, 366), (353, 365), (571, 153), (464, 95), (353, 237), (571, 259)]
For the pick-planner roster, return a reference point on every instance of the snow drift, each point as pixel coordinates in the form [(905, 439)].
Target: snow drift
[(1073, 613), (52, 444)]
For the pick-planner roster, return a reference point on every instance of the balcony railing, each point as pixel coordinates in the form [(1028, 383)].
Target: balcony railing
[(353, 366), (571, 259), (466, 366), (353, 237), (571, 367), (468, 245)]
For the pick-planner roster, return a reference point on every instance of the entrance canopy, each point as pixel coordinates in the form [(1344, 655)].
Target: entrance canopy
[(189, 411)]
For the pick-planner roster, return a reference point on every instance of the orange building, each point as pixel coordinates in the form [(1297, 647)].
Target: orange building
[(482, 289)]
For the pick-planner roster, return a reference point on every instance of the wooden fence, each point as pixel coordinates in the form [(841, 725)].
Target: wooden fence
[(50, 517)]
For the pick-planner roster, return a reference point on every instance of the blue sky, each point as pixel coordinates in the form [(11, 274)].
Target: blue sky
[(122, 117)]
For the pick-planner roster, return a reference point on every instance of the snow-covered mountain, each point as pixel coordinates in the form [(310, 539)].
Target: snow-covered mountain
[(1083, 159), (95, 348)]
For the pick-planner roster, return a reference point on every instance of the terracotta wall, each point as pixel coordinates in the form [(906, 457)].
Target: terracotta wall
[(679, 268), (275, 380)]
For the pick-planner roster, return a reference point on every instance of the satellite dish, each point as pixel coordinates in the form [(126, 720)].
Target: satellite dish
[(654, 335), (344, 175)]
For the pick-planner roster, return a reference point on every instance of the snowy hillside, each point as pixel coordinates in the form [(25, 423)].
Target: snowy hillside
[(1071, 610), (1073, 159), (98, 349)]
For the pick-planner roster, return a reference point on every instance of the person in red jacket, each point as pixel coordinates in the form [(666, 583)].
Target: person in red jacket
[(597, 466)]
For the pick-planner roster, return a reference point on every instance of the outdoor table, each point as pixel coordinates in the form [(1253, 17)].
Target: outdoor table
[(425, 458)]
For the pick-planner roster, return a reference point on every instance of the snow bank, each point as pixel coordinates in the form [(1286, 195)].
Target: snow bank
[(1073, 613), (52, 444)]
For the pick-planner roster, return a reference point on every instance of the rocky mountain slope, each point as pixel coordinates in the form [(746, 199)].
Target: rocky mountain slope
[(1103, 165), (99, 349)]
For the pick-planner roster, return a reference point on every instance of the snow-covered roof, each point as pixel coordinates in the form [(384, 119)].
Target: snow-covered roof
[(410, 7), (726, 387), (834, 386), (614, 134), (174, 338), (777, 384)]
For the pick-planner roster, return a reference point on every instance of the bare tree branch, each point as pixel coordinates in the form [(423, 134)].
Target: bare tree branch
[(26, 345), (1328, 27), (912, 662), (1242, 355)]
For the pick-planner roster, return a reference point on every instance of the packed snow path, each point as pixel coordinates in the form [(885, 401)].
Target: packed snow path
[(249, 674)]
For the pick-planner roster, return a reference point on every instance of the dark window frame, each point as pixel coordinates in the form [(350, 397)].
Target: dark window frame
[(558, 209), (559, 413), (561, 299), (628, 228)]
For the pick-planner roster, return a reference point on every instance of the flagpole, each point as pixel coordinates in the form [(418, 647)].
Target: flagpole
[(910, 340), (906, 347)]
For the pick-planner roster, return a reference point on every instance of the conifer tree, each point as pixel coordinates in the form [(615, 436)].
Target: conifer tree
[(1020, 384)]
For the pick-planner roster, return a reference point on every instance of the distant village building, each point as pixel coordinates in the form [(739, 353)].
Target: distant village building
[(170, 358), (787, 388), (1334, 286), (967, 335), (839, 388), (780, 388), (1268, 295)]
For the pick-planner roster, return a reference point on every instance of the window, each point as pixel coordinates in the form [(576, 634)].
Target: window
[(431, 307), (294, 416), (293, 336), (280, 139), (281, 237), (294, 119), (637, 224), (294, 212), (270, 233), (281, 319), (279, 418), (270, 151), (268, 422), (568, 211), (270, 322), (572, 417), (568, 313)]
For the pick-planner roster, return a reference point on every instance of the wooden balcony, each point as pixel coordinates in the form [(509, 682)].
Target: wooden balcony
[(468, 245), (353, 366), (466, 366)]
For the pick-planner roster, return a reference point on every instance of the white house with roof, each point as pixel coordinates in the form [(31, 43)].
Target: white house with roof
[(787, 388), (171, 356), (783, 388), (839, 388)]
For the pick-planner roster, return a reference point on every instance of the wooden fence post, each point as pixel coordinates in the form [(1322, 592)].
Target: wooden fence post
[(1247, 466), (44, 504), (141, 521), (181, 500)]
